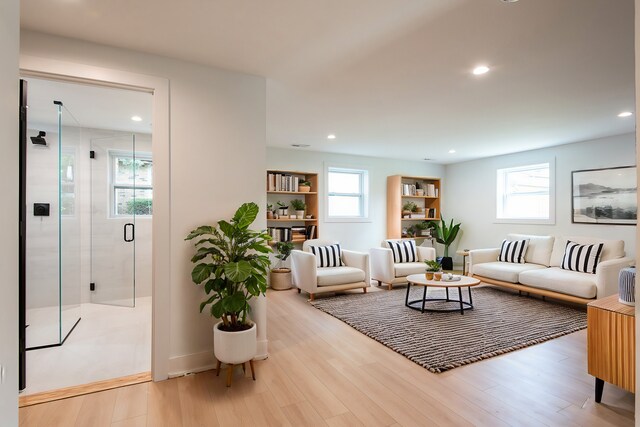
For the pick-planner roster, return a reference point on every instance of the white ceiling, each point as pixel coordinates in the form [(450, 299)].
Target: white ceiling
[(86, 106), (392, 78)]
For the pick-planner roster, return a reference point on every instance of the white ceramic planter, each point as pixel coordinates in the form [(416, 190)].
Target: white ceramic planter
[(300, 214), (234, 348)]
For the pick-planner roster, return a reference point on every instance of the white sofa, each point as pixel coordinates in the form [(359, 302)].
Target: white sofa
[(384, 270), (541, 273), (312, 279)]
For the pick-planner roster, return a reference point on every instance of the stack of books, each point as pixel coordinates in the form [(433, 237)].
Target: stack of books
[(282, 182), (280, 234)]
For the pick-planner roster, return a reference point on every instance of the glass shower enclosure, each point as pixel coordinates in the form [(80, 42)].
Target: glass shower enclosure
[(53, 228)]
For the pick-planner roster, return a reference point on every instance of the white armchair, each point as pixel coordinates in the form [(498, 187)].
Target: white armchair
[(384, 270), (312, 279)]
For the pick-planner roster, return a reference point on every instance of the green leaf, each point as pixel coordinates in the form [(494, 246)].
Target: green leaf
[(200, 273), (245, 215), (218, 309), (203, 304), (226, 228), (203, 229), (259, 247), (237, 271), (234, 303)]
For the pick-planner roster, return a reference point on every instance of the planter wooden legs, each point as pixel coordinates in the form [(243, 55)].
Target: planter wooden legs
[(230, 371)]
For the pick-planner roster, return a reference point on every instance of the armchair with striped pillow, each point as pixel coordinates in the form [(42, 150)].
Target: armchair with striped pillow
[(396, 259)]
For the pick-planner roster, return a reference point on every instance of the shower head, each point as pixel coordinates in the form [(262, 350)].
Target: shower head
[(39, 140)]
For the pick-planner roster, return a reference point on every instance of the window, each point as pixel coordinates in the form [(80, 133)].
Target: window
[(347, 193), (132, 184), (525, 194)]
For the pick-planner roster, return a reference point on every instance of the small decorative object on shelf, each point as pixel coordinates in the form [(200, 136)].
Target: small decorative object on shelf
[(298, 206), (408, 208), (304, 186), (283, 208), (270, 211)]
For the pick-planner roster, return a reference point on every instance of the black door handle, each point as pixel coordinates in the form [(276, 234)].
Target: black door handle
[(133, 232)]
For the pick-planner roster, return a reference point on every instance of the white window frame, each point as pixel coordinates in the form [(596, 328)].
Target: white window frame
[(552, 192), (364, 194), (113, 155)]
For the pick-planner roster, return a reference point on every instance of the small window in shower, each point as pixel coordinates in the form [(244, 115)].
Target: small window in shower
[(132, 184)]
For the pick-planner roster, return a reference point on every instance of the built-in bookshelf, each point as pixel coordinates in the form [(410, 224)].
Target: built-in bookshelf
[(424, 192), (284, 186)]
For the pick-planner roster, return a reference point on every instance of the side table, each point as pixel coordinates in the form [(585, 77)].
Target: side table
[(464, 253), (611, 344)]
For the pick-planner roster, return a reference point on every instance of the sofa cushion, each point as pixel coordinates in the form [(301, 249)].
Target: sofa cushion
[(505, 271), (407, 268), (327, 256), (329, 276), (612, 249), (539, 249), (403, 250), (583, 258), (563, 281), (513, 251)]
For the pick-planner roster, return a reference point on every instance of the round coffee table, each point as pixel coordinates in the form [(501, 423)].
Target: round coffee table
[(421, 280)]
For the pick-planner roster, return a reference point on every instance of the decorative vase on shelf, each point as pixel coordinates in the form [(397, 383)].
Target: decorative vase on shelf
[(300, 214), (269, 214), (304, 188)]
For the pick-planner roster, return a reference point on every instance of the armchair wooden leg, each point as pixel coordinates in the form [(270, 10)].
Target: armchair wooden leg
[(298, 290), (312, 297), (379, 282), (244, 368), (253, 371), (389, 287), (364, 289), (218, 368), (229, 375)]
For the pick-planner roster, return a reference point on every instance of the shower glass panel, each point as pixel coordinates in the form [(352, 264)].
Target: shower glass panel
[(116, 200), (52, 228)]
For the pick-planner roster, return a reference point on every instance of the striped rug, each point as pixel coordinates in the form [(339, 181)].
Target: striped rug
[(500, 322)]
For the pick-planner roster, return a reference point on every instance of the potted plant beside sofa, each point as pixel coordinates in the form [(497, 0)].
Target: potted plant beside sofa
[(280, 278), (231, 264), (445, 235)]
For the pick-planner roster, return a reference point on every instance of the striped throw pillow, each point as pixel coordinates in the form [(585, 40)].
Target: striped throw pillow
[(583, 258), (403, 250), (327, 256), (513, 251)]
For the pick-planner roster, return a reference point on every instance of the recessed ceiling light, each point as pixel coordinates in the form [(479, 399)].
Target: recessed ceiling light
[(331, 136), (452, 151), (300, 145), (480, 69), (136, 118), (427, 158), (508, 1), (625, 114)]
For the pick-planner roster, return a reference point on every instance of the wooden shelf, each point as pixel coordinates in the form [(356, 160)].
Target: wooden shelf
[(299, 193), (290, 220), (395, 199), (310, 198)]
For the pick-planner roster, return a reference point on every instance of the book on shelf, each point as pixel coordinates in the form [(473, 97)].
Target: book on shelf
[(282, 182), (431, 213), (311, 231), (280, 234)]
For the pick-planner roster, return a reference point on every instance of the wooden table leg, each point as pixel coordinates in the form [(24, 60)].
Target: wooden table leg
[(229, 374), (253, 371), (218, 368), (599, 389)]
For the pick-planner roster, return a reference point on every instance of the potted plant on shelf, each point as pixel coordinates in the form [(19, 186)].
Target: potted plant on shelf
[(283, 208), (231, 264), (432, 267), (299, 207), (269, 211), (280, 278), (445, 235), (408, 208), (304, 186)]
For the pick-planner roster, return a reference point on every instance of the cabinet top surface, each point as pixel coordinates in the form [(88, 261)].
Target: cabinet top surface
[(611, 303)]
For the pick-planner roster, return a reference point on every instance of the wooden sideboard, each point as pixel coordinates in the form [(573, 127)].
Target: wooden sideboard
[(611, 344)]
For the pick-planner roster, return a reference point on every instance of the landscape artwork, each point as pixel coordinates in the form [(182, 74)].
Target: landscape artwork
[(605, 196)]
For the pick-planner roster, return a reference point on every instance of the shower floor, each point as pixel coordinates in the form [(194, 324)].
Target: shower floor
[(109, 342)]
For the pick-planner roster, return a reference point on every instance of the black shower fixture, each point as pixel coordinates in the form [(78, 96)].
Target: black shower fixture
[(39, 140)]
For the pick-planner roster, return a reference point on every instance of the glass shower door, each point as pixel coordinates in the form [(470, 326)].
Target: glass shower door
[(114, 204)]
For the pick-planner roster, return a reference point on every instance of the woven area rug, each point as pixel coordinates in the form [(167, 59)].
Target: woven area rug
[(500, 322)]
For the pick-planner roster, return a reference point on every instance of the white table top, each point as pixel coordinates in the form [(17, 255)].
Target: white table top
[(420, 279)]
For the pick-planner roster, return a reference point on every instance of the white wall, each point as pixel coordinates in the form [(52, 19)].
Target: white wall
[(360, 236), (9, 43), (470, 195), (217, 133)]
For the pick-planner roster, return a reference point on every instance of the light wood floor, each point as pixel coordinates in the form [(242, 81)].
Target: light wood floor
[(321, 372)]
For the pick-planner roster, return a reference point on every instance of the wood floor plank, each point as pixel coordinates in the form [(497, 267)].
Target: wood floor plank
[(196, 406), (59, 413), (303, 414), (140, 421), (163, 407), (131, 402), (97, 409), (344, 420)]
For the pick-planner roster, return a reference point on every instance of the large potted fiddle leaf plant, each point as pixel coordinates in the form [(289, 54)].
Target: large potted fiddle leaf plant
[(231, 264)]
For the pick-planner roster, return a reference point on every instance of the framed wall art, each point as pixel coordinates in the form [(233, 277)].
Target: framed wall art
[(604, 196)]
